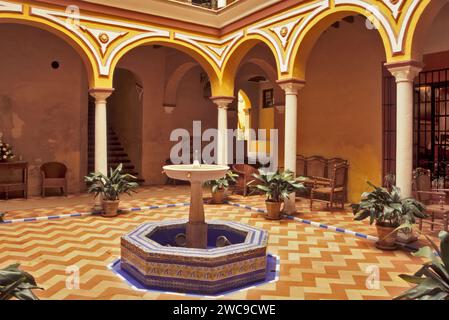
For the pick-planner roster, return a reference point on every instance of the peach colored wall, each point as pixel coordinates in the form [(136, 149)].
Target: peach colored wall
[(437, 38), (43, 112), (340, 108), (125, 114), (153, 66)]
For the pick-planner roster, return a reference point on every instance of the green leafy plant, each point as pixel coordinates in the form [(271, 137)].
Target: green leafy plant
[(278, 185), (223, 183), (16, 283), (2, 217), (113, 186), (432, 280), (388, 208)]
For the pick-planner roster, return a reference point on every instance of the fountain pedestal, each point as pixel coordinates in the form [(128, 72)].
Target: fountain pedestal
[(196, 231), (151, 255)]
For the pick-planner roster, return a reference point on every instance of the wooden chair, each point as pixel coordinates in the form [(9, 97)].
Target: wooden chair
[(434, 200), (54, 177), (301, 166), (245, 175), (333, 190), (316, 167)]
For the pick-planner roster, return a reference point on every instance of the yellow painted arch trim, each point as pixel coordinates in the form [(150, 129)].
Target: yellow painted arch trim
[(77, 44), (199, 56), (311, 33), (235, 58)]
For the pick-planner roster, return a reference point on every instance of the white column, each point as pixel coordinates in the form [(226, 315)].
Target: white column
[(405, 75), (291, 88), (101, 129), (222, 127)]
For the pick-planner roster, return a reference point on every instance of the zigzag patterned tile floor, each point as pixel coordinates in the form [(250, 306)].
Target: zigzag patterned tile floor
[(315, 263)]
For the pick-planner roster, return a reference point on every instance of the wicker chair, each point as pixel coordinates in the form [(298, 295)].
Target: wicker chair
[(54, 177), (245, 175), (333, 190)]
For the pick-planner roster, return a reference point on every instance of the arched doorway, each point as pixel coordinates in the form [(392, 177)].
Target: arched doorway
[(43, 102), (176, 92)]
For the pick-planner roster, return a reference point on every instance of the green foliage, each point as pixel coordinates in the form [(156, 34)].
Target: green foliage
[(113, 186), (277, 185), (432, 280), (15, 283), (2, 217), (388, 208), (223, 183)]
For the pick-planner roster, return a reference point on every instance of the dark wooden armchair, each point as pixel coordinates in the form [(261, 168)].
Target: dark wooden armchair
[(316, 167), (434, 199), (245, 175), (54, 177), (331, 190)]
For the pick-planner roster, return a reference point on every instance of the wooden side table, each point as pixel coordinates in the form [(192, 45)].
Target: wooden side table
[(7, 187)]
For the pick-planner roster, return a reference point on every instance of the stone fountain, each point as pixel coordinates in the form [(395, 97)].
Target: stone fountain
[(216, 256)]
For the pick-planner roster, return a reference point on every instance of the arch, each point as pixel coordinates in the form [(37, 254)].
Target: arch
[(235, 58), (171, 89), (266, 67), (92, 69), (206, 63), (312, 32), (419, 26)]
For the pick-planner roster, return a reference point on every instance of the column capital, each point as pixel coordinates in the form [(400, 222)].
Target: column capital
[(405, 71), (291, 85), (101, 94), (222, 102)]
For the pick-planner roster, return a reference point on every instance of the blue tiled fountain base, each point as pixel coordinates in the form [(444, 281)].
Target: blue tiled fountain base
[(272, 275)]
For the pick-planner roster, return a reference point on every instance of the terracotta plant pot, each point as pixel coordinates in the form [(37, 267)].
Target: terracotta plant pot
[(273, 210), (218, 196), (110, 208), (387, 238)]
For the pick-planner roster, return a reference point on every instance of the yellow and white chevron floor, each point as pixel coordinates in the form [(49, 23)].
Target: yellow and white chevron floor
[(316, 263)]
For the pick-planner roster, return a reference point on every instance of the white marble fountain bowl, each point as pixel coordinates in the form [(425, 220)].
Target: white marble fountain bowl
[(192, 172)]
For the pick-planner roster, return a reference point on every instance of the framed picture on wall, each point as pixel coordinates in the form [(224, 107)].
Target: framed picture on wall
[(268, 98)]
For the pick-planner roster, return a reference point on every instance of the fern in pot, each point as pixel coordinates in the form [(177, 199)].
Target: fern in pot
[(390, 212), (277, 186), (110, 188), (219, 187)]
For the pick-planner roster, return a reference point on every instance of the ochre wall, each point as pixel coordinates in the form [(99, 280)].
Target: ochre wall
[(43, 112), (340, 107), (153, 66)]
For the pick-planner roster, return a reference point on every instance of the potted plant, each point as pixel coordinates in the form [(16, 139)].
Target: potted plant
[(110, 188), (6, 153), (277, 187), (390, 212), (219, 187), (432, 280), (16, 283)]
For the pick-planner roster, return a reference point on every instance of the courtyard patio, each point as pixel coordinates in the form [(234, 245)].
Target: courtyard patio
[(323, 255)]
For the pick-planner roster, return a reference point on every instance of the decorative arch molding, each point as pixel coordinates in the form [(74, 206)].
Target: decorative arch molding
[(171, 89), (15, 13), (105, 40)]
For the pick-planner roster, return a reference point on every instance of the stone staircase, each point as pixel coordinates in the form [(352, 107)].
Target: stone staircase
[(116, 152)]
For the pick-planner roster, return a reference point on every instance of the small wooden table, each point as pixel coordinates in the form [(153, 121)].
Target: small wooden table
[(6, 187)]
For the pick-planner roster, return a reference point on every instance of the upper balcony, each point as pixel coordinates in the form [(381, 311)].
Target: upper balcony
[(208, 4), (208, 13)]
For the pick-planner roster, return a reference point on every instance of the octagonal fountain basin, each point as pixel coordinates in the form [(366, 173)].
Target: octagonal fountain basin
[(151, 255)]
